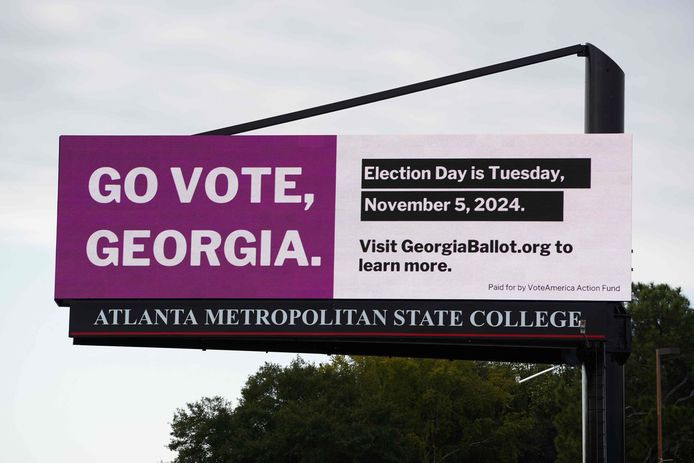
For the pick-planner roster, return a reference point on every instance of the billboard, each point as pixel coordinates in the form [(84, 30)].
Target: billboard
[(416, 217)]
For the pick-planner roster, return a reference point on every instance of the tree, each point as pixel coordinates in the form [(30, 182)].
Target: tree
[(661, 317), (553, 401), (201, 432), (361, 409)]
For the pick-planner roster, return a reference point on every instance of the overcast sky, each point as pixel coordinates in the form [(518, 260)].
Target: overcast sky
[(184, 67)]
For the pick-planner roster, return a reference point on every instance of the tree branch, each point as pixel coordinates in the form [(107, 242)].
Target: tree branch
[(682, 399), (634, 412), (648, 455), (674, 389)]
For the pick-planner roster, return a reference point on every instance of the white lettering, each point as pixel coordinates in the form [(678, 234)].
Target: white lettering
[(150, 182), (282, 185), (113, 191), (185, 192), (291, 248), (179, 249), (110, 252), (211, 185), (130, 248), (247, 254), (197, 247), (256, 174)]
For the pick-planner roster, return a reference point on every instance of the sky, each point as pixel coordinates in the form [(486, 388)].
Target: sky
[(173, 67)]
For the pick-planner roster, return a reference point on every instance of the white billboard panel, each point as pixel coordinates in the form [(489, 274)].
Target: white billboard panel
[(508, 217)]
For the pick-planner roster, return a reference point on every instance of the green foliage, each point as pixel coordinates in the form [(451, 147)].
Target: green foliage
[(374, 409), (661, 317), (355, 409), (566, 398), (201, 432), (553, 401)]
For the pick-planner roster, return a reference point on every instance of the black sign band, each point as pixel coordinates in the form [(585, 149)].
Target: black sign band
[(340, 318)]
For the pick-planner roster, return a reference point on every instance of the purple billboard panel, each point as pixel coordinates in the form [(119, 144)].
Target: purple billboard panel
[(178, 217)]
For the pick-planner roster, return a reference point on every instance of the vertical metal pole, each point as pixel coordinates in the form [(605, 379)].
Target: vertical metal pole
[(596, 406), (604, 113), (584, 412), (659, 405), (614, 407)]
